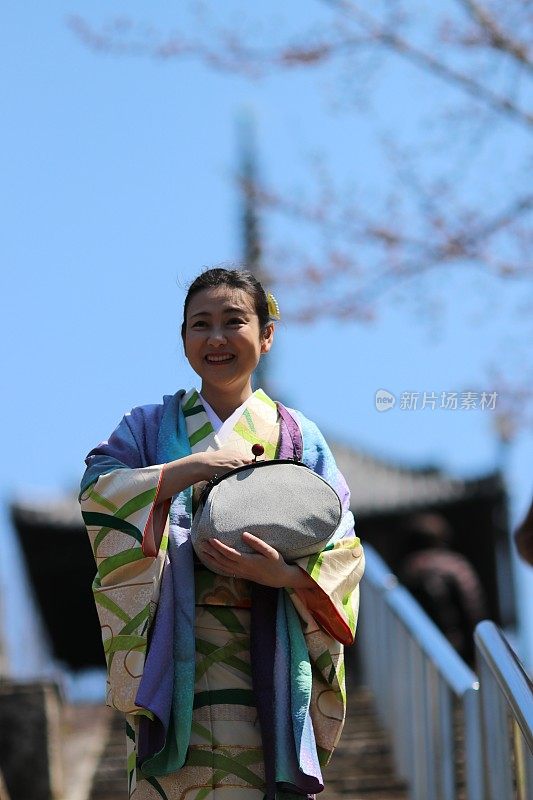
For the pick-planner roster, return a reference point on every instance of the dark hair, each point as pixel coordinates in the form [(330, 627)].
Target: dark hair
[(233, 279)]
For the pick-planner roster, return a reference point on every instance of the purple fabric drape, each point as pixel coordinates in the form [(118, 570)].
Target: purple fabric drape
[(263, 647)]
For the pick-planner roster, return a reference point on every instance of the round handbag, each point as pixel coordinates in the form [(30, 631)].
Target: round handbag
[(283, 502)]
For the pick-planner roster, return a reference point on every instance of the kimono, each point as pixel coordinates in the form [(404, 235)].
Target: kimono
[(231, 691)]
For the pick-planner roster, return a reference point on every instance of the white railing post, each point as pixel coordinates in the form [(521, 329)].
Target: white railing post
[(445, 737), (415, 674), (474, 772), (506, 718), (416, 677)]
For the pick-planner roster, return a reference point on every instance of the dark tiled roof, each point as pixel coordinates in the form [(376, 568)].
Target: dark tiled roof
[(381, 487), (63, 512)]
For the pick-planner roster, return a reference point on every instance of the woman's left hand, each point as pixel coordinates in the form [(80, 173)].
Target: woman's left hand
[(266, 566)]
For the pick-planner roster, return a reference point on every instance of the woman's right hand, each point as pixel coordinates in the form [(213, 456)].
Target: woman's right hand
[(198, 467), (218, 462)]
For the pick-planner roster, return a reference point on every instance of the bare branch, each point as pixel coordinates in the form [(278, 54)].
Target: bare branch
[(236, 56), (497, 37), (428, 61), (389, 253), (231, 54), (455, 235)]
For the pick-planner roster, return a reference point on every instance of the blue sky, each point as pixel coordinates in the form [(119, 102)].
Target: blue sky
[(117, 188)]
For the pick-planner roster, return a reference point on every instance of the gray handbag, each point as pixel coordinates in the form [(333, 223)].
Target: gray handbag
[(281, 501)]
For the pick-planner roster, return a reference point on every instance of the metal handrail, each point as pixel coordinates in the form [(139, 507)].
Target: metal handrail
[(432, 641), (507, 716), (509, 673), (416, 675)]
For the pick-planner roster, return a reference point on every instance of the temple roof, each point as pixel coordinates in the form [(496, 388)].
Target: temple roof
[(379, 486)]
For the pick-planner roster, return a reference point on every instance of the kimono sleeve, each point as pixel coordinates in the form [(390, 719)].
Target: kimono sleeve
[(333, 601), (128, 531), (329, 609)]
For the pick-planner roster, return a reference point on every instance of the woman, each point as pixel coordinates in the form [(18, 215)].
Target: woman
[(233, 687)]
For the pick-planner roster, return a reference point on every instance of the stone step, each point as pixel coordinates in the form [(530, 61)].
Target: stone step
[(362, 767), (84, 736), (110, 779)]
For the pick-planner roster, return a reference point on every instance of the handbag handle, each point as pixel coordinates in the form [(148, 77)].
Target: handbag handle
[(293, 429)]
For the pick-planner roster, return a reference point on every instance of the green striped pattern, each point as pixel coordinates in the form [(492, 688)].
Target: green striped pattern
[(260, 395), (117, 511), (225, 748), (225, 744), (199, 429), (257, 424), (333, 570), (246, 432), (225, 751), (337, 570)]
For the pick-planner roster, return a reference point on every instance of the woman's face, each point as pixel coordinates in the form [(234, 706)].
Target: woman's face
[(223, 342)]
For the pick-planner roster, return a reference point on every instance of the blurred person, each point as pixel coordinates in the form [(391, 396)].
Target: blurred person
[(443, 581)]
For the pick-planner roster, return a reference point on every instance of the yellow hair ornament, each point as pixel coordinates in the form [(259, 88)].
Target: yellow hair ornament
[(273, 307)]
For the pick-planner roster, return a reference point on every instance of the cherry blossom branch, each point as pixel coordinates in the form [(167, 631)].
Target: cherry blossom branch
[(429, 62), (232, 54)]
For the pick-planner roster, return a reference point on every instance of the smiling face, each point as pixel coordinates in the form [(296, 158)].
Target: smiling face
[(223, 341)]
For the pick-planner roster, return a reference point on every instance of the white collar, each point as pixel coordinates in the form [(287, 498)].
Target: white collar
[(219, 426)]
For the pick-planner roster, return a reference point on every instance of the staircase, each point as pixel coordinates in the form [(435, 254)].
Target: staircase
[(361, 768), (110, 777)]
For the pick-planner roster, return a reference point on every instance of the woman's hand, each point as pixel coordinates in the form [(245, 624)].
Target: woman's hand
[(178, 475), (266, 566), (218, 462)]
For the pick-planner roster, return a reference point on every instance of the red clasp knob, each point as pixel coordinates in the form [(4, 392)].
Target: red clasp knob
[(257, 450)]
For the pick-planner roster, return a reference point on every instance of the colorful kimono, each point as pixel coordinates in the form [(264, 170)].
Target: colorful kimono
[(231, 691)]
